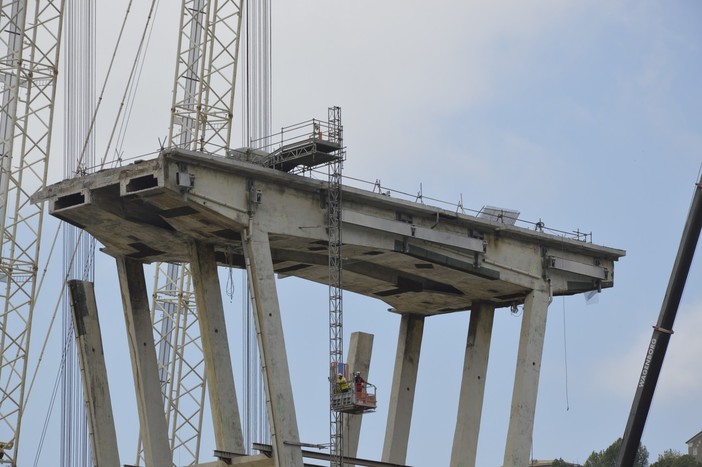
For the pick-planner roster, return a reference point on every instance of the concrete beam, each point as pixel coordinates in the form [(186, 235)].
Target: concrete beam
[(269, 328), (96, 389), (152, 419), (360, 351), (470, 404), (404, 381), (526, 379), (215, 347)]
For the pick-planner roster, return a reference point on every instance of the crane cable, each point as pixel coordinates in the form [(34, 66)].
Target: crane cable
[(565, 356), (104, 83), (46, 340), (128, 86), (131, 99), (154, 7), (53, 317), (58, 228), (53, 245), (52, 401)]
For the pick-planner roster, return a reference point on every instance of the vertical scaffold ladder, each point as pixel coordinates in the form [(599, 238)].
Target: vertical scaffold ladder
[(336, 315)]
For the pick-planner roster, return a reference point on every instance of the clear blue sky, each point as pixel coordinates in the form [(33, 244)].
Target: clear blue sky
[(585, 115)]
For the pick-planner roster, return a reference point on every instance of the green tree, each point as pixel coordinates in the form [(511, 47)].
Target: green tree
[(672, 458), (560, 463), (608, 457)]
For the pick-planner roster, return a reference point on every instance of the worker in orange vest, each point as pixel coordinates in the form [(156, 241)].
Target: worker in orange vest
[(359, 382)]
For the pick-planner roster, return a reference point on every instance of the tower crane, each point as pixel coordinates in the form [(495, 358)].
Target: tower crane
[(30, 40)]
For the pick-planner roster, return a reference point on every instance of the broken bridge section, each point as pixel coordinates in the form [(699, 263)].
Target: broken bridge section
[(417, 258), (420, 260)]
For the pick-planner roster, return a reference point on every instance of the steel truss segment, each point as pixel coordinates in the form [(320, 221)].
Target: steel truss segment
[(208, 50), (184, 110), (30, 34), (219, 78), (336, 316)]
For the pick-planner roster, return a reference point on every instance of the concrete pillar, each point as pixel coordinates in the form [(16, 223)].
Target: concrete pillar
[(152, 419), (269, 328), (404, 379), (360, 351), (96, 389), (215, 347), (470, 404), (526, 379)]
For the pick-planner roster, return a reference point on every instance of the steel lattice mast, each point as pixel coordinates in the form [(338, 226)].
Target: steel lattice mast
[(181, 360), (30, 39), (203, 97), (201, 119), (336, 309)]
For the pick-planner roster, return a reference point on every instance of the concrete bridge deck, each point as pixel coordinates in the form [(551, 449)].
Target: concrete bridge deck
[(417, 258)]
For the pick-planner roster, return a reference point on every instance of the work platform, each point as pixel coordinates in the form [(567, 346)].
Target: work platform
[(302, 154), (421, 260)]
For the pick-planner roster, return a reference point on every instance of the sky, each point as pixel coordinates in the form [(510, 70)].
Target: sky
[(584, 115)]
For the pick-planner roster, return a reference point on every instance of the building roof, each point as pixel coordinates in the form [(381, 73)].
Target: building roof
[(693, 438)]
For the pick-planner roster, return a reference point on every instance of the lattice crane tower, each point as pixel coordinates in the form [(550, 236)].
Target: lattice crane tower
[(30, 40), (336, 291)]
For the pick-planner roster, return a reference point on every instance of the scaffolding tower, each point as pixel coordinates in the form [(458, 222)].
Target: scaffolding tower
[(336, 308)]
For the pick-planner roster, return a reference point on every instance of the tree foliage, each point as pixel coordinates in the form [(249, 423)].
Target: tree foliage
[(560, 463), (608, 457), (672, 458)]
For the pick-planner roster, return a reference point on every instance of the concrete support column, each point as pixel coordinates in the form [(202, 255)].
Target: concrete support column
[(526, 379), (215, 346), (269, 328), (152, 419), (360, 351), (470, 404), (96, 389), (404, 379)]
